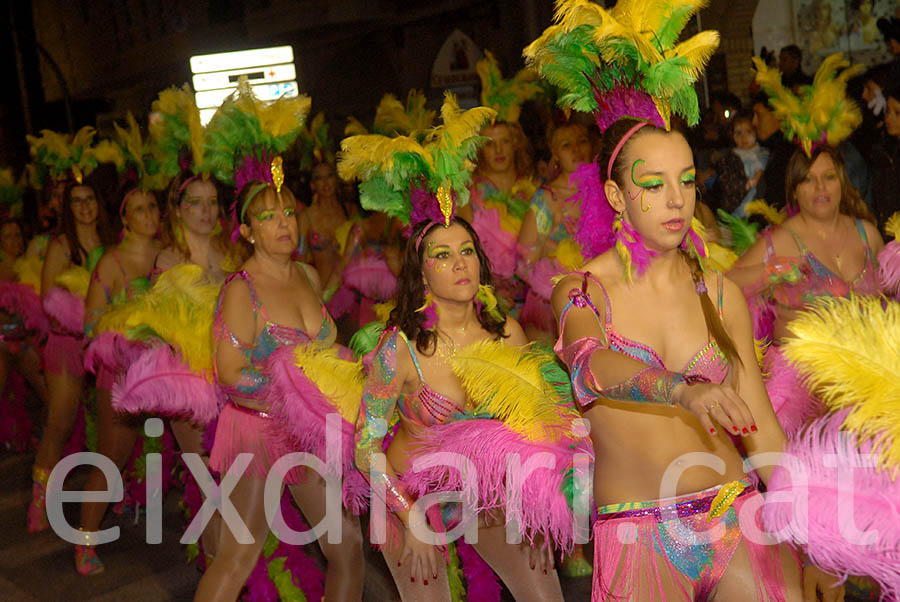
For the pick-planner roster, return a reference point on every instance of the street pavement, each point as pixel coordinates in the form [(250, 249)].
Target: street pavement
[(39, 567)]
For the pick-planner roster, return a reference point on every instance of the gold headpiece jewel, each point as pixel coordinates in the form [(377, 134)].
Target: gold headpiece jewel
[(277, 173)]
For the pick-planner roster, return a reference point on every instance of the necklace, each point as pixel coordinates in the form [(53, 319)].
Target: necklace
[(837, 254)]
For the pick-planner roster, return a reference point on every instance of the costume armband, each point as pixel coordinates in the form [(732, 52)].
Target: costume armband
[(652, 385)]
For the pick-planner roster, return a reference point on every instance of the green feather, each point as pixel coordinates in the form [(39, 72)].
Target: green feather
[(743, 232), (366, 338), (455, 575)]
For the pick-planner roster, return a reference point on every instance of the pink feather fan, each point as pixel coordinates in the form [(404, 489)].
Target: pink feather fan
[(160, 382), (371, 276), (20, 300), (845, 512), (66, 308), (793, 404), (487, 444), (301, 409)]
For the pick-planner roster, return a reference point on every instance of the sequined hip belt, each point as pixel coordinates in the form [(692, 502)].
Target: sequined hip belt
[(714, 501), (250, 411)]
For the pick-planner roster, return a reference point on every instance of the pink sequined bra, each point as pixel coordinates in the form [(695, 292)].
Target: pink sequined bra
[(709, 362), (428, 407)]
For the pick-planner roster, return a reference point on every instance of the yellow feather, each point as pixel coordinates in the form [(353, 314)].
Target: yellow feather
[(697, 50), (892, 226), (760, 207), (847, 350), (383, 311), (506, 383), (339, 380), (568, 254), (362, 156), (28, 271), (76, 280), (720, 258), (354, 127), (460, 125), (83, 137)]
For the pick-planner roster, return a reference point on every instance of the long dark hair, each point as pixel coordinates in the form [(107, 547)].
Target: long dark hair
[(411, 291), (175, 195), (620, 170), (105, 230)]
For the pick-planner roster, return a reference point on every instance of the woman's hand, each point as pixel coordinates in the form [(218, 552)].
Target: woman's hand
[(421, 558), (540, 556), (709, 401), (816, 581)]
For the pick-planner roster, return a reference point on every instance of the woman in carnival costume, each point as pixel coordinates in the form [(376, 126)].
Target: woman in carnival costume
[(271, 302), (636, 222), (450, 372), (122, 275), (85, 231), (545, 241), (502, 187), (359, 276), (19, 360), (323, 225), (829, 245)]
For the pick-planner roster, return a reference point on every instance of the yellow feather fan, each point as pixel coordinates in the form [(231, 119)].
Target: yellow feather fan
[(340, 380), (180, 103), (179, 308), (459, 124), (847, 349), (767, 211), (383, 311), (76, 280), (507, 383)]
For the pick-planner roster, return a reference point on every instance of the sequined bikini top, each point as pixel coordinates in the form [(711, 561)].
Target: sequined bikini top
[(708, 362), (426, 407)]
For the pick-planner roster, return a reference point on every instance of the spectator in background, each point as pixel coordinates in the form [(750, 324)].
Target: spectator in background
[(790, 63), (768, 132), (740, 170), (883, 160)]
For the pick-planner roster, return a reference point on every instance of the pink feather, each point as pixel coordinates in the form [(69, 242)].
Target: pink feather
[(762, 315), (113, 351), (594, 230), (20, 300), (889, 267), (341, 303), (499, 245), (537, 312), (793, 404), (875, 504), (541, 277), (487, 444), (302, 410), (371, 276), (640, 255), (481, 581), (159, 382), (66, 309)]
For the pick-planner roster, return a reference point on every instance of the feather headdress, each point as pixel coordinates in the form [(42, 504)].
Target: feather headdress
[(393, 118), (413, 180), (316, 146), (624, 61), (62, 158), (178, 135), (505, 95), (820, 113), (137, 158), (246, 136)]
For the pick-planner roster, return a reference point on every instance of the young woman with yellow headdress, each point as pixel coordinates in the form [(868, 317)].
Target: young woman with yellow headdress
[(270, 302), (660, 352)]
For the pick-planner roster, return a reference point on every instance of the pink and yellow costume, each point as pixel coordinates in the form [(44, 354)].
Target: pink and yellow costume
[(675, 529)]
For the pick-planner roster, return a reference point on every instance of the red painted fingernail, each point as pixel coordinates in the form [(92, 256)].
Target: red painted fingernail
[(713, 431), (399, 563), (426, 581), (412, 579), (753, 428), (532, 567), (735, 429), (545, 571), (745, 430)]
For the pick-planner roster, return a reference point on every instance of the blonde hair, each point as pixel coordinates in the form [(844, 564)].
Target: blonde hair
[(242, 250)]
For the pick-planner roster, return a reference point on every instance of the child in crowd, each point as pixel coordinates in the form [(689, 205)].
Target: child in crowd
[(740, 170)]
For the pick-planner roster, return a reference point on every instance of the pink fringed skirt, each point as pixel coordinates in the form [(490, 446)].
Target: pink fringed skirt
[(106, 378), (64, 353), (671, 549), (243, 430)]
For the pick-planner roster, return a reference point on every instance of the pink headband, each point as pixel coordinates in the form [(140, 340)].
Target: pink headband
[(422, 234), (185, 184), (618, 149), (125, 200)]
